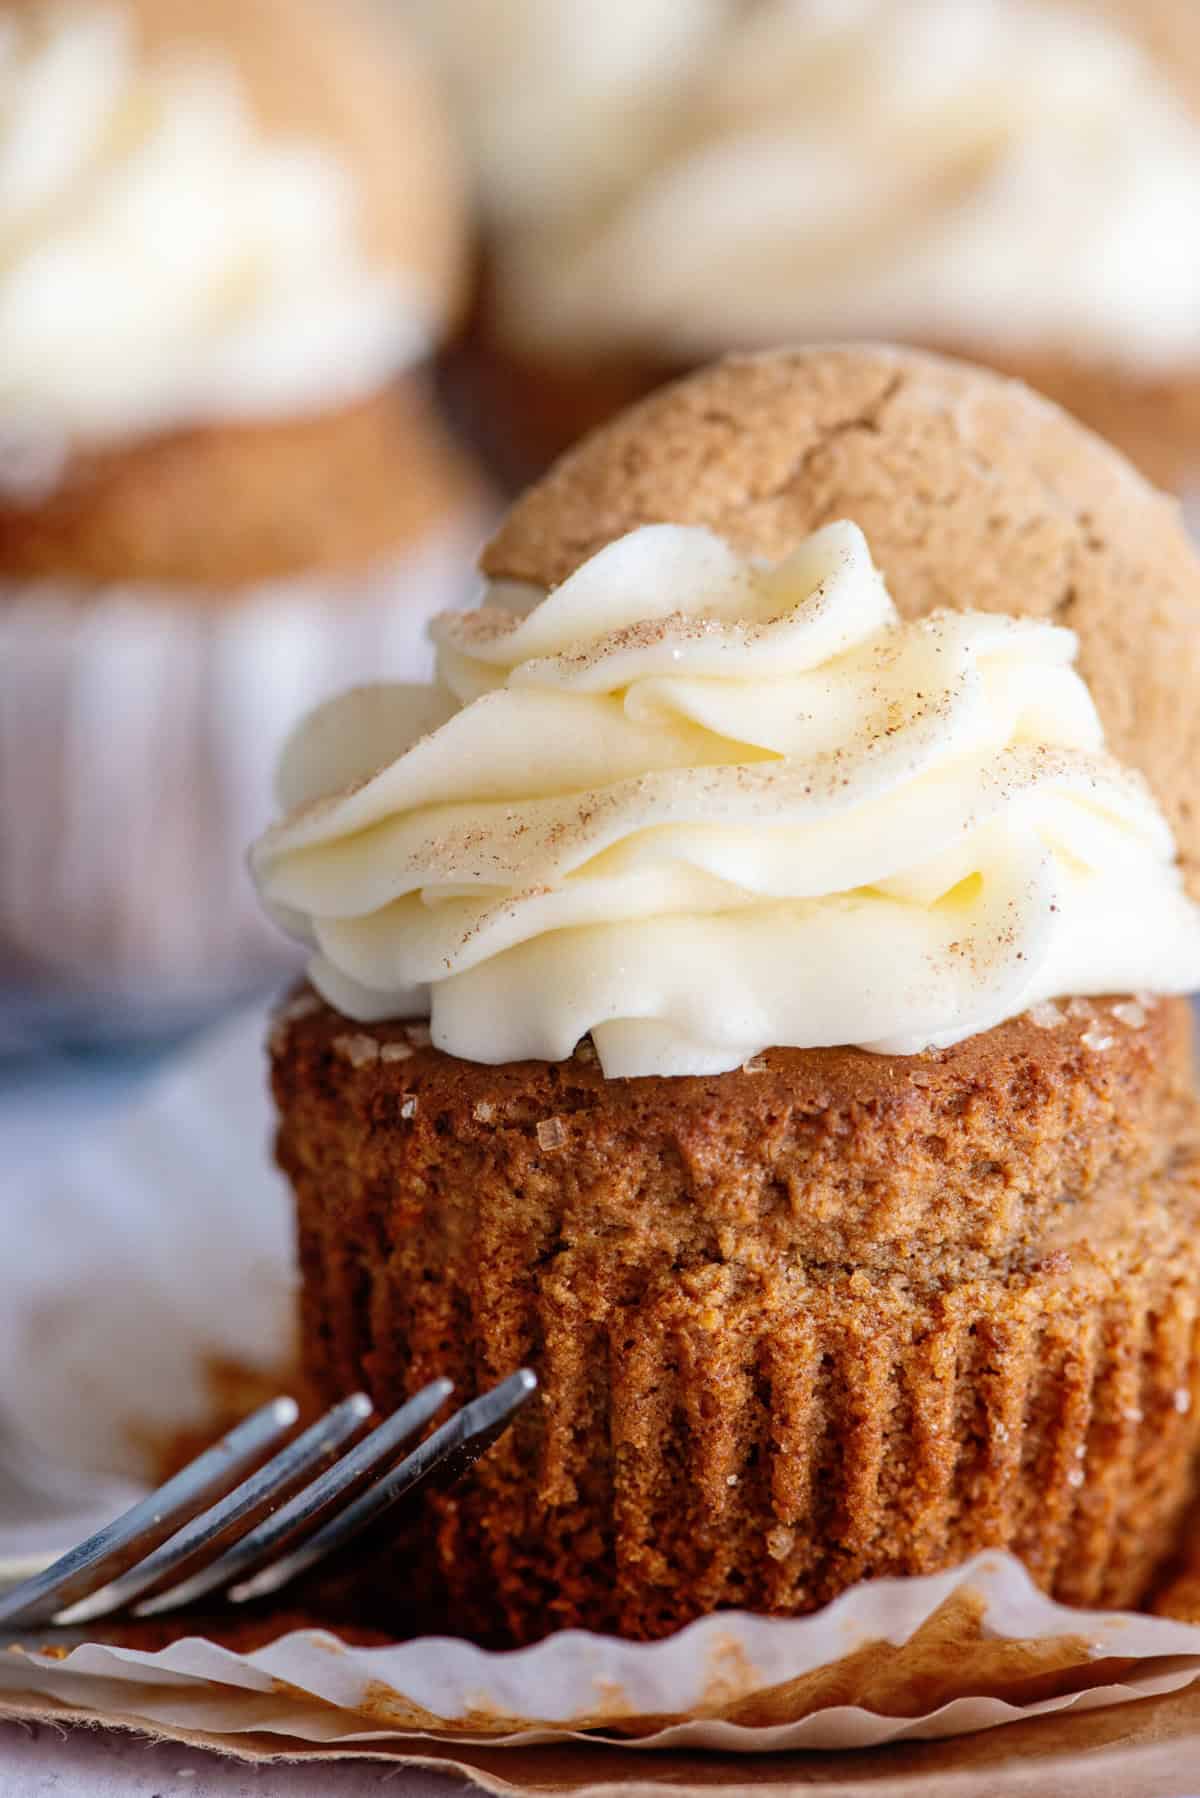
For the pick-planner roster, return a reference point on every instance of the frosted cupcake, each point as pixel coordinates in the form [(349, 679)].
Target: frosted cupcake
[(748, 990), (229, 244), (1008, 179)]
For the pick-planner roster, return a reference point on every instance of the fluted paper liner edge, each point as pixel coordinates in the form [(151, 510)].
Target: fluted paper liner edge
[(733, 1682)]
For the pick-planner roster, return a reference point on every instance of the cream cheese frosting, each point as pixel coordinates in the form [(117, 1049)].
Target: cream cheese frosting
[(700, 806), (679, 179), (162, 261)]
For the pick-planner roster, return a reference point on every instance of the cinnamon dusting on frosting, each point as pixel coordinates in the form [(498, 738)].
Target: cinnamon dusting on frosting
[(696, 806)]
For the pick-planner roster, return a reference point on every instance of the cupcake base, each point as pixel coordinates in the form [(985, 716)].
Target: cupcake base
[(167, 614), (218, 510), (765, 1374), (523, 409)]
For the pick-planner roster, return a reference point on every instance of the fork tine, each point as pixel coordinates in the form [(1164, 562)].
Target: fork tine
[(212, 1531), (457, 1445), (309, 1507), (92, 1564)]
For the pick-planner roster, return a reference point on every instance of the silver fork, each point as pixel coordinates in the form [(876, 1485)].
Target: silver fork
[(247, 1516)]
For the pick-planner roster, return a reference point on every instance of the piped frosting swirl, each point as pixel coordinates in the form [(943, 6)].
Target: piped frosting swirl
[(163, 260), (1006, 173), (699, 806)]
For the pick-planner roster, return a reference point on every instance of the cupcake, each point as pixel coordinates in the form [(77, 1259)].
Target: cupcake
[(1004, 179), (232, 237), (747, 989)]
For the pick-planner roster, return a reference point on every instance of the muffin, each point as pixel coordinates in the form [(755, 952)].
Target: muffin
[(1003, 179), (233, 237), (746, 990)]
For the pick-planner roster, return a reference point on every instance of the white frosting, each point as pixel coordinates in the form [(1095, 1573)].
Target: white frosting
[(699, 807), (679, 178), (161, 261)]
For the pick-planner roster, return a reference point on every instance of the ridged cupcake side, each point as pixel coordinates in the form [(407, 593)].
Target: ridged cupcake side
[(728, 1418)]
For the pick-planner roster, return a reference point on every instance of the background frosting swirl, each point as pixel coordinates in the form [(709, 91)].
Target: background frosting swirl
[(1011, 171), (162, 261), (700, 807)]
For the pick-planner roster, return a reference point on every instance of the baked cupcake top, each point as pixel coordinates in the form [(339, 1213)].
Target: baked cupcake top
[(694, 780), (194, 223), (1006, 173)]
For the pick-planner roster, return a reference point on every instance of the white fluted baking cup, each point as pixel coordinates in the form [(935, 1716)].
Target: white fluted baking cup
[(138, 735), (165, 1243)]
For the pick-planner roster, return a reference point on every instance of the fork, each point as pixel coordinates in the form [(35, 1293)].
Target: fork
[(247, 1516)]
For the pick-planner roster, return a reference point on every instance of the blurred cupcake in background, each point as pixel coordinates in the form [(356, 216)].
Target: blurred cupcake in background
[(230, 238), (1014, 180)]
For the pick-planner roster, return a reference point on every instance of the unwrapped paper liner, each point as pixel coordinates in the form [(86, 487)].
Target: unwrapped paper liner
[(163, 1244), (985, 1620), (139, 731)]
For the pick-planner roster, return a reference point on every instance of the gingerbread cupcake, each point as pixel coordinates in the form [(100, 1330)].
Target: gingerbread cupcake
[(1005, 179), (788, 887), (233, 237)]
